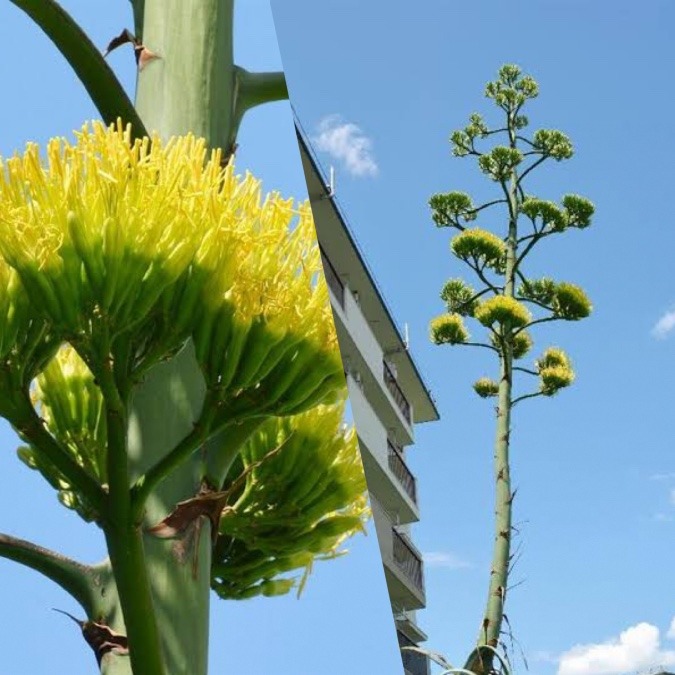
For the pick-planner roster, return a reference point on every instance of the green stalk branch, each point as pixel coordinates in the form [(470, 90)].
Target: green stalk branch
[(98, 78), (257, 88), (146, 483), (526, 370), (526, 396), (32, 428), (223, 448), (72, 576)]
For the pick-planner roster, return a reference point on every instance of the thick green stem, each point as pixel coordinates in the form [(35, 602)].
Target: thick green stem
[(99, 80), (125, 543), (480, 661), (190, 88), (125, 546), (73, 577)]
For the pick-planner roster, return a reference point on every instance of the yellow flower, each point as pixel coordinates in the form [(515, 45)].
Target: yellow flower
[(304, 494), (135, 246)]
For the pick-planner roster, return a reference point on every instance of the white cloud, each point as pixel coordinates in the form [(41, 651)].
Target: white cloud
[(346, 142), (663, 476), (445, 559), (672, 496), (671, 630), (636, 648), (664, 325)]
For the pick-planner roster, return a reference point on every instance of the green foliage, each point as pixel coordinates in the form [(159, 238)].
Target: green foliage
[(503, 310), (552, 143), (485, 387), (448, 329), (459, 297), (500, 162), (447, 209), (481, 247)]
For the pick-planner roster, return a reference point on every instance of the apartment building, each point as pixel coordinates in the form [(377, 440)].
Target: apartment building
[(388, 397)]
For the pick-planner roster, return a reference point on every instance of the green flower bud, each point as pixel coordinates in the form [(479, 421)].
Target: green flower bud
[(549, 213), (555, 378), (448, 208), (486, 388), (503, 310), (553, 143), (570, 302), (480, 245), (579, 210), (499, 162), (539, 290), (458, 297), (448, 329)]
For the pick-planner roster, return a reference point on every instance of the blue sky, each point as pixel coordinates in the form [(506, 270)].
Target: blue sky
[(380, 86), (343, 617)]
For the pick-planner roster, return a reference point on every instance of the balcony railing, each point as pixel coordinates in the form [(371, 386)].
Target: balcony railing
[(414, 663), (400, 469), (408, 560), (395, 390), (333, 280)]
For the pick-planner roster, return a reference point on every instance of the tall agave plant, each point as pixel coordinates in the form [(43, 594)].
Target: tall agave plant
[(167, 350), (508, 303)]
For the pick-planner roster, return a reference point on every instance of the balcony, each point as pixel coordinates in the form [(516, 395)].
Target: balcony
[(394, 389), (413, 662), (402, 562), (333, 280), (400, 469), (408, 560)]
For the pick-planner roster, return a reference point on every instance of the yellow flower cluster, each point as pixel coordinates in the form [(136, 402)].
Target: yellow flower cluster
[(304, 494), (152, 243)]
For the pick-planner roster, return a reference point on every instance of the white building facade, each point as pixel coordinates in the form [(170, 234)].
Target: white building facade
[(388, 397)]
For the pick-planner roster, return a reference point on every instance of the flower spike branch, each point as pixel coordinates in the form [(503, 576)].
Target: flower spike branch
[(507, 310), (101, 84)]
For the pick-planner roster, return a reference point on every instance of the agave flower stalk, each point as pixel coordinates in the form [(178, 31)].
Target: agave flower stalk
[(192, 312), (122, 257), (507, 303)]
